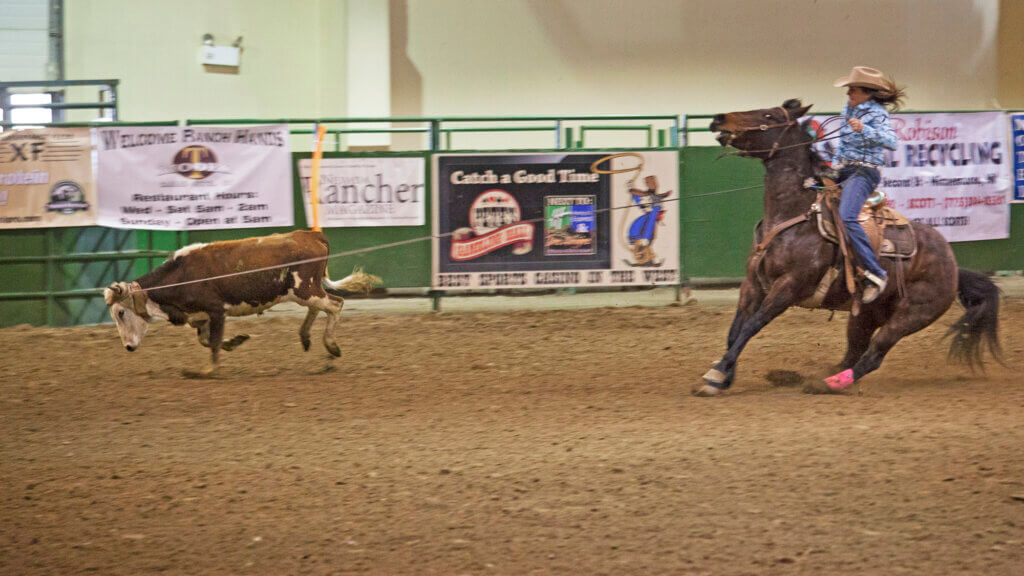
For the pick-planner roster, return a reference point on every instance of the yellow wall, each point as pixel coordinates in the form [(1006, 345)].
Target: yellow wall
[(1011, 54), (530, 57), (292, 63)]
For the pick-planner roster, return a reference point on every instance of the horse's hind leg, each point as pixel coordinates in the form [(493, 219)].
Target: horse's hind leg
[(911, 315), (859, 330)]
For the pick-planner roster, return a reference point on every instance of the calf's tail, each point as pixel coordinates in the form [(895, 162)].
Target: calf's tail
[(980, 323), (356, 282)]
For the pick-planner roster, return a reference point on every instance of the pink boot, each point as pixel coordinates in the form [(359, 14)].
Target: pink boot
[(841, 380)]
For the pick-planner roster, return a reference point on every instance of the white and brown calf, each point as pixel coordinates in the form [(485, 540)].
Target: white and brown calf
[(207, 298)]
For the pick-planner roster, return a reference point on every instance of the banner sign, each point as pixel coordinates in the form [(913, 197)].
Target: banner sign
[(951, 171), (554, 220), (1017, 124), (46, 178), (194, 177), (367, 191)]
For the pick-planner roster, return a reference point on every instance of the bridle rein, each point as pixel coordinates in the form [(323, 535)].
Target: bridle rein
[(790, 122)]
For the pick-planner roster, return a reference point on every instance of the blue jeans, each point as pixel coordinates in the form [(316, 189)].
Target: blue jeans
[(858, 183)]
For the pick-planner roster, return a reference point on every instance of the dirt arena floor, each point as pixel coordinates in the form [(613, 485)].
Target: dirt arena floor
[(552, 442)]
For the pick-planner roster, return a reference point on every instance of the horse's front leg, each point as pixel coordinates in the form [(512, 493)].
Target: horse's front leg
[(781, 295), (751, 296)]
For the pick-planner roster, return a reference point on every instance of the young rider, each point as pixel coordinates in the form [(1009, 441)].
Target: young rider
[(860, 155)]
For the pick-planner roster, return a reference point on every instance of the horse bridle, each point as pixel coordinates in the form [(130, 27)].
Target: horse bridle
[(764, 128)]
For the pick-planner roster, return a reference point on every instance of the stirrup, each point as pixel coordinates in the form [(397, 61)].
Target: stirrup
[(874, 289)]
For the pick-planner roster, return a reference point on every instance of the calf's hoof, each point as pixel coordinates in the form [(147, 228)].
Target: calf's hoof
[(234, 342), (204, 374), (305, 344)]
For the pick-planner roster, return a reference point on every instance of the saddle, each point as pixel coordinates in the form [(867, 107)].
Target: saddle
[(890, 232)]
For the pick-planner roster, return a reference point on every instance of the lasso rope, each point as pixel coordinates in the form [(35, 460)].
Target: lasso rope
[(637, 170), (390, 245)]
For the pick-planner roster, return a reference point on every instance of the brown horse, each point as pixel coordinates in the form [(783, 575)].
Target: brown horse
[(793, 263)]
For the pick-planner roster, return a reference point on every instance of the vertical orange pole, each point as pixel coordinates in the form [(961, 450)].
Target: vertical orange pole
[(314, 181)]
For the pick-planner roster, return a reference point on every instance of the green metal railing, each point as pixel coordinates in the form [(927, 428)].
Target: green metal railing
[(440, 129)]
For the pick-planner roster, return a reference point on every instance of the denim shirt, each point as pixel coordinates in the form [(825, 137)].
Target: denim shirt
[(866, 145)]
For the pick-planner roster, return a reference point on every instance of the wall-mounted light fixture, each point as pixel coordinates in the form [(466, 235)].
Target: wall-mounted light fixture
[(213, 55)]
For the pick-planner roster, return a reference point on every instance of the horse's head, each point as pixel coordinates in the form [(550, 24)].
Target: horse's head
[(127, 303), (762, 132)]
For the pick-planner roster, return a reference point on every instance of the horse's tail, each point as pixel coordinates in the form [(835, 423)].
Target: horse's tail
[(980, 322), (356, 282)]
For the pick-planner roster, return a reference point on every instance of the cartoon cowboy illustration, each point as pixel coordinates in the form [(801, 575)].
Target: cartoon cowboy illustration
[(643, 230)]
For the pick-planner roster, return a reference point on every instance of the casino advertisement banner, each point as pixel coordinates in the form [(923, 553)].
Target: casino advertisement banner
[(951, 171), (1017, 124), (555, 220), (194, 177), (387, 191), (46, 178)]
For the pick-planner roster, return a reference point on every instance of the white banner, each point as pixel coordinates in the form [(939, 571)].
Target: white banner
[(194, 178), (367, 191), (951, 171)]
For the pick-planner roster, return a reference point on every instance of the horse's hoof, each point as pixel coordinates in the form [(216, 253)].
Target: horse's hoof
[(704, 390), (715, 376), (305, 344), (841, 380), (333, 349)]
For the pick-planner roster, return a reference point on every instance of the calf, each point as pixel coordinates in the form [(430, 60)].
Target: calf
[(192, 287)]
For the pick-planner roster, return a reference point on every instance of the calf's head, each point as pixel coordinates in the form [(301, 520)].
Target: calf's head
[(127, 303)]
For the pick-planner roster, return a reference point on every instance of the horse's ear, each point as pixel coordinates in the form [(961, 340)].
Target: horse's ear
[(796, 107)]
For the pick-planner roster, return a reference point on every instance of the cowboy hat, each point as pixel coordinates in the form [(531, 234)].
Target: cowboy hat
[(864, 77)]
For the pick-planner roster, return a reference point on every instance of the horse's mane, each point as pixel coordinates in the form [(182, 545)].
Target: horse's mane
[(818, 162)]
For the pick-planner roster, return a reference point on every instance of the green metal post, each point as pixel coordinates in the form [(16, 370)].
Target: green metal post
[(435, 135), (149, 246), (49, 274)]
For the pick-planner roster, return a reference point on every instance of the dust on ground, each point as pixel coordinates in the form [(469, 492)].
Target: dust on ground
[(519, 442)]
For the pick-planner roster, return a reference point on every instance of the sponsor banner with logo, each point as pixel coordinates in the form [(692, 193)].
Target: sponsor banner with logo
[(1017, 126), (367, 191), (46, 178), (951, 171), (194, 177), (553, 220)]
